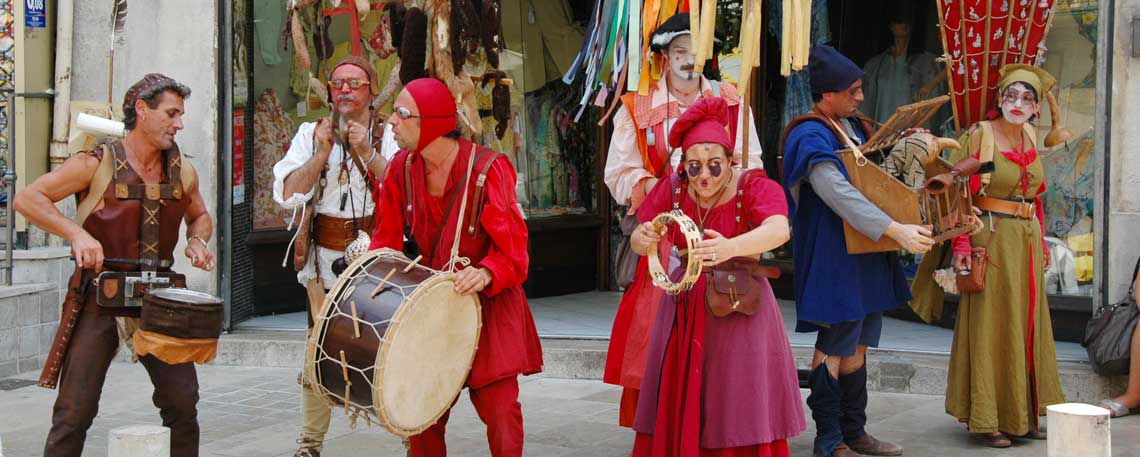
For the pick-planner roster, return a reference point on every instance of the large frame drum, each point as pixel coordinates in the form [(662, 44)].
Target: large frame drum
[(394, 342)]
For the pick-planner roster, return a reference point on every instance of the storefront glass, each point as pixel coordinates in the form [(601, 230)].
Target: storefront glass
[(1070, 168)]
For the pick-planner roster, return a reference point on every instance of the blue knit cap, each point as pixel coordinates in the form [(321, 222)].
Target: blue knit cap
[(830, 71)]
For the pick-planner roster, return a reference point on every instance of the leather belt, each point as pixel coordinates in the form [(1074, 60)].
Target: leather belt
[(337, 233), (1019, 209)]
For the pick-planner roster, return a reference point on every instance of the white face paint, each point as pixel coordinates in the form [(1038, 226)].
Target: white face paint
[(1018, 104), (681, 62)]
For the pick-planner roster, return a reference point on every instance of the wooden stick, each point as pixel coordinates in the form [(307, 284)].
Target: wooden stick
[(355, 319), (383, 282), (506, 82), (347, 383), (415, 262)]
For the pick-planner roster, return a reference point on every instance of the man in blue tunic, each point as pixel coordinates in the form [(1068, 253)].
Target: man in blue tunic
[(839, 295)]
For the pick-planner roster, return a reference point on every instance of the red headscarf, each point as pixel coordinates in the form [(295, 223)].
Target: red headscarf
[(437, 109), (704, 122)]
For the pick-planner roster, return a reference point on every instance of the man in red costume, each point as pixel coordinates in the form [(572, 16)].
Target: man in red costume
[(421, 196)]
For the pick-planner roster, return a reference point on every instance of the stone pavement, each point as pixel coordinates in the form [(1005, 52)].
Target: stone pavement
[(254, 412)]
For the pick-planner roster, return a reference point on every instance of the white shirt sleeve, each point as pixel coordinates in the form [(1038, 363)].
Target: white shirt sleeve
[(624, 167), (300, 151)]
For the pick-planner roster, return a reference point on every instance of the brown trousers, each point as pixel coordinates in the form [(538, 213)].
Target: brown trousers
[(93, 346)]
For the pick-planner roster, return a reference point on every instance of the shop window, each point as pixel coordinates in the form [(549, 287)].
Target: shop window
[(1070, 169), (557, 146)]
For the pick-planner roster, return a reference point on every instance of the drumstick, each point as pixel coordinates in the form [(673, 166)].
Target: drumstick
[(383, 282), (347, 383), (414, 263), (355, 319)]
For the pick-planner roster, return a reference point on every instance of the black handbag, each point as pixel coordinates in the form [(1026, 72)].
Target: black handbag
[(1108, 335)]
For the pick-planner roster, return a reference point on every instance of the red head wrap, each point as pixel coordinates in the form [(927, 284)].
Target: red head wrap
[(704, 122), (437, 109)]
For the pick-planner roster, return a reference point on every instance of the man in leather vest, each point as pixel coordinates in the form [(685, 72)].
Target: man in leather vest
[(118, 229), (838, 295), (328, 174)]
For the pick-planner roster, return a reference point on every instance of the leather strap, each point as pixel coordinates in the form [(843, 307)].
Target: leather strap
[(99, 182), (337, 233), (473, 221), (988, 145), (151, 196), (1023, 210)]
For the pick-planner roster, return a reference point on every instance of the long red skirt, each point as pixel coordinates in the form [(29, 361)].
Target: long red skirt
[(629, 340)]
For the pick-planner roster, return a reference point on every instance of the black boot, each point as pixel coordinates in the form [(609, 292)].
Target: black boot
[(824, 402), (854, 417), (854, 404)]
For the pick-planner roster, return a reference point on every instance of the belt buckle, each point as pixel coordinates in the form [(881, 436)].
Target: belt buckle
[(1030, 209)]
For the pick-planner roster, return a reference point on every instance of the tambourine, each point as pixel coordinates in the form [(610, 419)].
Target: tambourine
[(692, 235)]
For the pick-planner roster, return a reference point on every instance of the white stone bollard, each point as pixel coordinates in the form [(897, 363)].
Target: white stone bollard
[(139, 441), (1079, 429)]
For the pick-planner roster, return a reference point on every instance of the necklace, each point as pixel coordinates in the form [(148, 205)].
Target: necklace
[(716, 197)]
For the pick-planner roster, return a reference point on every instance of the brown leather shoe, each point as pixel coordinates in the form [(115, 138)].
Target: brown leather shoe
[(869, 445), (840, 451), (995, 440), (306, 452)]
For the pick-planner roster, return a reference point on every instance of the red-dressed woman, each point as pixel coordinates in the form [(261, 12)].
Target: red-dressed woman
[(720, 379)]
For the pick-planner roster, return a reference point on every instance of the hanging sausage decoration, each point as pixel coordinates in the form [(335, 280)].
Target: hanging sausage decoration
[(381, 39), (500, 100), (413, 46), (491, 31)]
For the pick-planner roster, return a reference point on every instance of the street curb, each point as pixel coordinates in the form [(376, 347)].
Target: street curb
[(888, 370)]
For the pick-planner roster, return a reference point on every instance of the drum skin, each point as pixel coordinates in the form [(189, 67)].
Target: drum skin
[(416, 345)]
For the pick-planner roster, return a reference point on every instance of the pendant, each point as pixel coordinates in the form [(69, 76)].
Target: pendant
[(343, 176)]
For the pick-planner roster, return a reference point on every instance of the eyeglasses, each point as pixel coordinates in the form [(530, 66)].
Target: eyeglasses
[(353, 83), (694, 169), (1013, 96), (404, 113)]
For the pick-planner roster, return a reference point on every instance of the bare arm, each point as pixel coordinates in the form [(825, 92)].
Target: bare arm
[(302, 180), (37, 203), (199, 229), (360, 137), (769, 235)]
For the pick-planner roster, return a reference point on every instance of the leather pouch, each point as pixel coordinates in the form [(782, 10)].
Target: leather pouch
[(975, 281), (733, 288)]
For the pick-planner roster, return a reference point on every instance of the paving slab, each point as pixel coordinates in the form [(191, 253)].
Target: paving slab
[(563, 417)]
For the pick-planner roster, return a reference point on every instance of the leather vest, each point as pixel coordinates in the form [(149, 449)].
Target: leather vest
[(134, 212)]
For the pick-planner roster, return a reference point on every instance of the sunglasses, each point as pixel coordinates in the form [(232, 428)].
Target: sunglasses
[(694, 169), (353, 83), (404, 113)]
